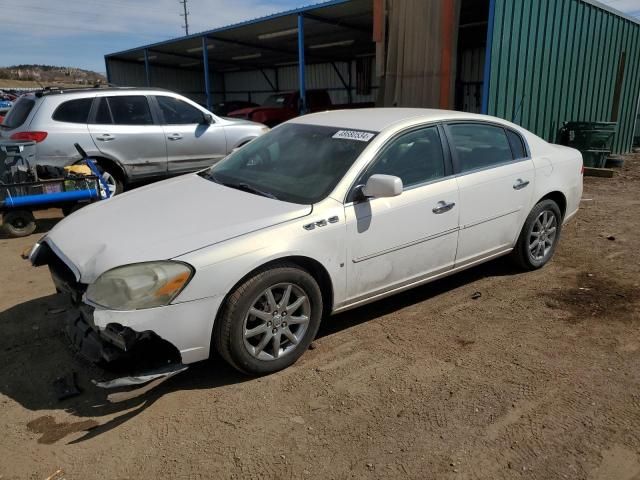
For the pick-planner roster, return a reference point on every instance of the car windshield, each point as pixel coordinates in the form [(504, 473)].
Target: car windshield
[(293, 163), (277, 101), (18, 113)]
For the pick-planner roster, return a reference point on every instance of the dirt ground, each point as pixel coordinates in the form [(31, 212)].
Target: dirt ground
[(537, 378)]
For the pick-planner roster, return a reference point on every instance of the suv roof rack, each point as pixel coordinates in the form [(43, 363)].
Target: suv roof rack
[(51, 90)]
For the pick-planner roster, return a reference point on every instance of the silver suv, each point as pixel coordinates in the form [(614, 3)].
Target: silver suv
[(134, 133)]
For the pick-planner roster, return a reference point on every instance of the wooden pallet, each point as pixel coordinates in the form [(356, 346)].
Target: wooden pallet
[(598, 172)]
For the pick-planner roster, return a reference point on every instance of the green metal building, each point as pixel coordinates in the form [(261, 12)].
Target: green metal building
[(560, 60)]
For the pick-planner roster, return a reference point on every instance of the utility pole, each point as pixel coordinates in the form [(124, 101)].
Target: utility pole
[(185, 15)]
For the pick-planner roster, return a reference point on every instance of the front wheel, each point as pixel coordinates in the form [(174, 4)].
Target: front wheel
[(539, 236), (270, 320)]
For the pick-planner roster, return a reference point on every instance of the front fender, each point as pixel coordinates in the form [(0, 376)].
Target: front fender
[(220, 267)]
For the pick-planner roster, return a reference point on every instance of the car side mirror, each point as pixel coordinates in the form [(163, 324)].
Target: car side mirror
[(382, 186), (208, 119)]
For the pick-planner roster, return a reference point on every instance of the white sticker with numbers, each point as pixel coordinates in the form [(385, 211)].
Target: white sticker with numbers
[(354, 135)]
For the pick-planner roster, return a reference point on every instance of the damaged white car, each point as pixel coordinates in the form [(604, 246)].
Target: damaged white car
[(322, 214)]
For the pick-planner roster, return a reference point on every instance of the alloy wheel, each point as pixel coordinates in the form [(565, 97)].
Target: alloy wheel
[(112, 185), (276, 322), (543, 235)]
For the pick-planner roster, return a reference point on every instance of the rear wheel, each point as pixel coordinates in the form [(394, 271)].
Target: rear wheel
[(539, 236), (18, 223), (113, 178), (270, 320)]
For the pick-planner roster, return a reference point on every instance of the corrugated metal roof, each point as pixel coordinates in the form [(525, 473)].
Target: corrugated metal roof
[(346, 9)]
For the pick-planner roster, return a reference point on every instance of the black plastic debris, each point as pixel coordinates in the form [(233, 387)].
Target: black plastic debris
[(476, 295), (66, 386)]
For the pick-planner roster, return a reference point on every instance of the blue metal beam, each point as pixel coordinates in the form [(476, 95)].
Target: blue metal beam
[(205, 62), (301, 73), (147, 70), (487, 58)]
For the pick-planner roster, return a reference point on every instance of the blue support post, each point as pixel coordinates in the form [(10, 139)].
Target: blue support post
[(147, 71), (301, 73), (487, 58), (205, 62)]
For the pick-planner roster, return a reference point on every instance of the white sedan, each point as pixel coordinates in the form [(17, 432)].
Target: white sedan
[(322, 214)]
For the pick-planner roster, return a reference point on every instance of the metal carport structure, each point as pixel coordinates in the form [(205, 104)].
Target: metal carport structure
[(278, 47), (535, 62)]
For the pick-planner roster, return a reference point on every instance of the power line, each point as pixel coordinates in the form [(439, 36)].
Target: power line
[(185, 15)]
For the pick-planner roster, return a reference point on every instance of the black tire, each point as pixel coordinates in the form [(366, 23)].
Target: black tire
[(522, 253), (229, 329), (18, 223)]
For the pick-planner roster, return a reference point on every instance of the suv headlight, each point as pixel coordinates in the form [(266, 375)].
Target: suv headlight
[(140, 285)]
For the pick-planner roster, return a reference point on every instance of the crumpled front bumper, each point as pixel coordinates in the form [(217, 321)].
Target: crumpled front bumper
[(101, 334), (94, 345)]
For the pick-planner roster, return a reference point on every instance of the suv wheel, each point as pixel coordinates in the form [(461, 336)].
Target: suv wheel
[(113, 180), (270, 320)]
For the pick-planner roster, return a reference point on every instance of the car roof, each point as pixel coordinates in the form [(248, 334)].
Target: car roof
[(379, 119)]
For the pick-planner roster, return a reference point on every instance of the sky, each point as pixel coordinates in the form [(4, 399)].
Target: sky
[(78, 33)]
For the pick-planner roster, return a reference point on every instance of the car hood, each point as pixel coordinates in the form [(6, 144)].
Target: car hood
[(241, 121), (243, 112), (162, 221)]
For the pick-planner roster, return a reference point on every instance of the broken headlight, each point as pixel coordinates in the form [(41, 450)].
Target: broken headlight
[(140, 285)]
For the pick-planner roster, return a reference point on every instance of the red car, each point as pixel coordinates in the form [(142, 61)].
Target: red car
[(279, 108)]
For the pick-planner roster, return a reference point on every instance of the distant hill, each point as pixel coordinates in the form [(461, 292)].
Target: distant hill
[(48, 75)]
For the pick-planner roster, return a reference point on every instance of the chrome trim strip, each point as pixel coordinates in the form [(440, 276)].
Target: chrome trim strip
[(485, 220), (405, 245)]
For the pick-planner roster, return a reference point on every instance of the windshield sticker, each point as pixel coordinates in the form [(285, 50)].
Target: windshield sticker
[(354, 135)]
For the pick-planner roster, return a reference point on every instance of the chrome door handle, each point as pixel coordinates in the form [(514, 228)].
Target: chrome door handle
[(175, 136), (105, 138), (520, 184), (443, 207)]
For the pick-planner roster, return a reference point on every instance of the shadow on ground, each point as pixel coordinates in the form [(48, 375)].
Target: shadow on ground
[(35, 351)]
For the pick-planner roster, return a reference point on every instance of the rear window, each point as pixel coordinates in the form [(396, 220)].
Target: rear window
[(19, 113), (73, 111), (517, 145)]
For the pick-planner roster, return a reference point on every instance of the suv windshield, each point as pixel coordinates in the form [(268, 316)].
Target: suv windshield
[(294, 163), (19, 113)]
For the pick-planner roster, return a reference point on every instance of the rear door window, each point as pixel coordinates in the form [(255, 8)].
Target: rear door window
[(18, 113), (130, 110), (73, 111), (177, 112), (479, 145)]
